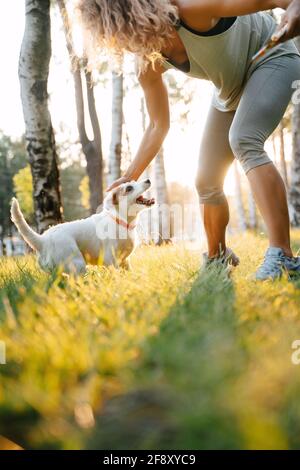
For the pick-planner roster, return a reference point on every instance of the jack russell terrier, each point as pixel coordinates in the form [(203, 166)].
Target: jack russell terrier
[(109, 236)]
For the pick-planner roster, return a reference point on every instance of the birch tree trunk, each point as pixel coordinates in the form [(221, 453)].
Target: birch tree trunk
[(147, 173), (33, 75), (146, 217), (239, 199), (294, 193), (92, 149), (162, 200), (115, 153), (126, 153)]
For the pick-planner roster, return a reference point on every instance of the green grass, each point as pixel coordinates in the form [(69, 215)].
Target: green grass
[(159, 357)]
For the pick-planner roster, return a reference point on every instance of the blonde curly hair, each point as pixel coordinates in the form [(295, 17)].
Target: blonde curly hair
[(142, 27)]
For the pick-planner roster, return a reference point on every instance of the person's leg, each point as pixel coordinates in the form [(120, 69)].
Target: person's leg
[(262, 106), (215, 158), (270, 194)]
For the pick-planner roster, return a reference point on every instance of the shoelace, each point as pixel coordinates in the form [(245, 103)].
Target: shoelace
[(271, 262), (293, 260)]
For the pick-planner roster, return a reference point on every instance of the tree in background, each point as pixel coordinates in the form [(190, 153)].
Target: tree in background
[(115, 153), (71, 181), (23, 190), (241, 215), (180, 95), (283, 166), (162, 199), (85, 192), (279, 148), (12, 159), (147, 172), (146, 217), (156, 222), (40, 142), (253, 222), (72, 178), (92, 149), (294, 192)]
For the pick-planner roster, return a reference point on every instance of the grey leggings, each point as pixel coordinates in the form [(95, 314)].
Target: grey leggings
[(242, 133)]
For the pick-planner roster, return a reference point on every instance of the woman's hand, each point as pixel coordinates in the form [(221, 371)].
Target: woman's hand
[(291, 19), (118, 182)]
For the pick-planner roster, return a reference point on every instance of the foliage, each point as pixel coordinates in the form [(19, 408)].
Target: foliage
[(23, 189), (16, 180), (179, 194), (12, 159), (85, 192), (159, 357), (71, 178)]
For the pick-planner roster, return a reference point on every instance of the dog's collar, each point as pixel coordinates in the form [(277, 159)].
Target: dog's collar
[(120, 221)]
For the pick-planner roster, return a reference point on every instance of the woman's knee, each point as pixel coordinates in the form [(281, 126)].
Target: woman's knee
[(248, 148), (209, 192)]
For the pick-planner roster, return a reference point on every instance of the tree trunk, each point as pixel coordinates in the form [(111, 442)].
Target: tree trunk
[(92, 149), (146, 217), (242, 223), (126, 154), (147, 173), (162, 200), (252, 210), (294, 192), (116, 131), (283, 169), (33, 74), (3, 245)]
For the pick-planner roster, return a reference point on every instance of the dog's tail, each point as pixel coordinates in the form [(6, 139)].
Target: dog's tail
[(30, 236)]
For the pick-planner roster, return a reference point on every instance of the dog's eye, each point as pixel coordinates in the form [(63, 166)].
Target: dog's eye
[(129, 189)]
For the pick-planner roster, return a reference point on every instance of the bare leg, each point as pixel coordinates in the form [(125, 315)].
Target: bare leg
[(215, 218), (270, 195), (215, 158), (264, 100)]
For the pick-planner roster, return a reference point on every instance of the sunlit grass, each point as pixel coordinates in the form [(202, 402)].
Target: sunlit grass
[(269, 318), (69, 342), (159, 357)]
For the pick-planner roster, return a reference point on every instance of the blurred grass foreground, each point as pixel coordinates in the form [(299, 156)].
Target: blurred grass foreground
[(162, 357)]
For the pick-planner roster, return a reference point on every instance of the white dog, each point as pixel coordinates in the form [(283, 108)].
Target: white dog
[(108, 236)]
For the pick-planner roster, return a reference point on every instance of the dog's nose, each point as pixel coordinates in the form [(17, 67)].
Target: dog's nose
[(148, 181)]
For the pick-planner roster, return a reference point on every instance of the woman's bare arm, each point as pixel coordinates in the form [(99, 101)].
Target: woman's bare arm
[(157, 102), (226, 8)]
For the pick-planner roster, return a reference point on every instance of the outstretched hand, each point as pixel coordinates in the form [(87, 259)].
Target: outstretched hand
[(291, 21), (118, 182)]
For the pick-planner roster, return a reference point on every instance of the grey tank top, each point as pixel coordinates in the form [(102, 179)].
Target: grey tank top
[(225, 58)]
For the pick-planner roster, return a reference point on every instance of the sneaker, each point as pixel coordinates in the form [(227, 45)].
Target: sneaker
[(292, 266), (276, 263), (226, 259)]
